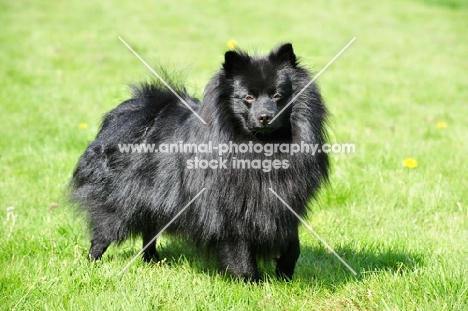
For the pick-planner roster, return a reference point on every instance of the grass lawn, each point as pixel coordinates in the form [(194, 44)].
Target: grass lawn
[(399, 91)]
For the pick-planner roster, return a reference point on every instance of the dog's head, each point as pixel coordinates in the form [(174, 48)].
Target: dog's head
[(260, 89)]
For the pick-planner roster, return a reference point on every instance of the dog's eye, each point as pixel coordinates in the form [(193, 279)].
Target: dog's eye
[(249, 98), (277, 96)]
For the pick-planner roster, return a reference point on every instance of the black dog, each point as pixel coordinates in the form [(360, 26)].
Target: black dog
[(237, 216)]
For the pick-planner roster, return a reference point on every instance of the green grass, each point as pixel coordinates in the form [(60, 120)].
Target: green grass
[(404, 230)]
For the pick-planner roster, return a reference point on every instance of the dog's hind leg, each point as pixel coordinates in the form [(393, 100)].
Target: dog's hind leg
[(149, 247), (106, 228), (98, 246)]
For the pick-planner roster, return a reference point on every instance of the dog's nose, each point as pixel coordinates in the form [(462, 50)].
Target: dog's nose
[(264, 118)]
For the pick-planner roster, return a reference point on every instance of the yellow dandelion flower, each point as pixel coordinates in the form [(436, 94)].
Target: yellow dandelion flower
[(231, 44), (441, 125), (83, 125), (410, 163)]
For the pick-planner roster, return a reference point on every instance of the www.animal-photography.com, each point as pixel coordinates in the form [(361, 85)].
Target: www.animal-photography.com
[(234, 155)]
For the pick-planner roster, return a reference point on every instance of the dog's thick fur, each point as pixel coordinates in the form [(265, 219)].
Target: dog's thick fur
[(237, 216)]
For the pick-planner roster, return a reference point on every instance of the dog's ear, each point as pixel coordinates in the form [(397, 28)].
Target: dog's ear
[(234, 60), (284, 54)]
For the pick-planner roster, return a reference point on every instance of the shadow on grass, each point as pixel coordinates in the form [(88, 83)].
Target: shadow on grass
[(315, 264)]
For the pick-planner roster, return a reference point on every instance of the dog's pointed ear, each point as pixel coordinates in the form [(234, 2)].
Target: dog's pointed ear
[(235, 60), (284, 54)]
